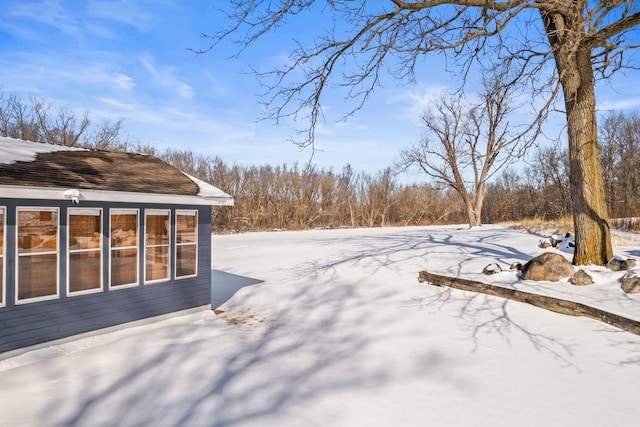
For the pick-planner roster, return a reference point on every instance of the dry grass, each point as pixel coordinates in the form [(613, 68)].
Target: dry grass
[(565, 224), (543, 227), (626, 224), (625, 240)]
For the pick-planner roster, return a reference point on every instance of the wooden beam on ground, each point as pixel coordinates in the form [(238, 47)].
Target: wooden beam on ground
[(549, 303)]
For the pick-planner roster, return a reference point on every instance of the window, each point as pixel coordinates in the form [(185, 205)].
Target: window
[(37, 241), (157, 232), (2, 252), (85, 250), (123, 260), (186, 243)]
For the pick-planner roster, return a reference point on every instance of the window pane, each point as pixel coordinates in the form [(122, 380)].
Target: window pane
[(37, 231), (124, 267), (84, 271), (1, 232), (186, 228), (37, 276), (124, 230), (186, 260), (1, 255), (157, 229), (157, 263), (84, 231)]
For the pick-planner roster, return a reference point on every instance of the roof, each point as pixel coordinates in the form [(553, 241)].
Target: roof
[(52, 170)]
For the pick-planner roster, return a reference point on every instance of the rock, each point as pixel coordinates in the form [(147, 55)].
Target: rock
[(581, 278), (618, 263), (568, 242), (515, 266), (545, 243), (547, 266), (556, 238), (492, 268), (630, 283)]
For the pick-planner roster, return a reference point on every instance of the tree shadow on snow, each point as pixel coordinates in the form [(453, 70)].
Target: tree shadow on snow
[(247, 366), (635, 253), (436, 250), (482, 315), (240, 368)]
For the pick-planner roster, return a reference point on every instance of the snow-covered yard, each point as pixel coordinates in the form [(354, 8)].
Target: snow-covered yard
[(332, 328)]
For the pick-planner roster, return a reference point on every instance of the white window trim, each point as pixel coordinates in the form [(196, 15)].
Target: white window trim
[(57, 252), (137, 247), (176, 244), (85, 211), (3, 252), (166, 212)]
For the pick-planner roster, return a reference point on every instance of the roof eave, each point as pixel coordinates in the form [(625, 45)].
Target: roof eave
[(57, 193)]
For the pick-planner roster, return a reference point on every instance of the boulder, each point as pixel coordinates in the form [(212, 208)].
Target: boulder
[(556, 238), (581, 278), (630, 283), (545, 243), (492, 268), (619, 263), (567, 243), (515, 266), (547, 266)]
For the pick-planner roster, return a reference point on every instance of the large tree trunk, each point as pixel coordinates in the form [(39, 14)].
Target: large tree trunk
[(474, 209), (474, 217), (593, 238)]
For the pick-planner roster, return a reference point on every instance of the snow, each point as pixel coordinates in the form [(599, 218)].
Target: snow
[(16, 150), (332, 328), (207, 190)]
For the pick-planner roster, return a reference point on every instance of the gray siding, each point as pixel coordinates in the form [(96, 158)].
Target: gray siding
[(33, 323)]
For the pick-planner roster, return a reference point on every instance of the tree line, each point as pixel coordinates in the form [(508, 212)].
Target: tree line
[(542, 188), (558, 49), (294, 197)]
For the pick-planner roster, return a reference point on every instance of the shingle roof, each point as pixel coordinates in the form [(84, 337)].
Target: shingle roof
[(63, 167)]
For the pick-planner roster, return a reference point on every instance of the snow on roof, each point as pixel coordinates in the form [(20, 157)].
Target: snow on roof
[(17, 150), (207, 190), (100, 175)]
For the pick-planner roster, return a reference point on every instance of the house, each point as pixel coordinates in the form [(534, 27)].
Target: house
[(95, 239)]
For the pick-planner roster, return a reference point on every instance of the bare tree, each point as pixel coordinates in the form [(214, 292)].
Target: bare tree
[(584, 39), (108, 136), (501, 201), (620, 142), (64, 128), (18, 119), (551, 167), (33, 121), (465, 145)]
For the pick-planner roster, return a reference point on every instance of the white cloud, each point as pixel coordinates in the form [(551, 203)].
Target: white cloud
[(416, 100), (216, 86), (47, 72), (48, 12), (619, 104), (165, 77), (116, 103), (97, 75), (133, 13)]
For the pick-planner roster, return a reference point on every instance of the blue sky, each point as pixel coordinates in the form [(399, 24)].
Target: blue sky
[(130, 59)]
